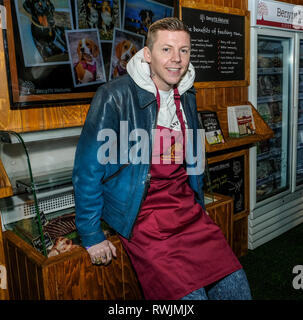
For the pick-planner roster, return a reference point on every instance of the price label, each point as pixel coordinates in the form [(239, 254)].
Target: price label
[(37, 243), (43, 219)]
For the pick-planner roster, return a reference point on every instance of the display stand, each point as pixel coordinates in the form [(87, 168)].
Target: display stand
[(220, 209), (68, 276), (263, 131), (223, 179), (71, 275)]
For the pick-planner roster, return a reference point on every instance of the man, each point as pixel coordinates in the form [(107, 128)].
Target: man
[(155, 204)]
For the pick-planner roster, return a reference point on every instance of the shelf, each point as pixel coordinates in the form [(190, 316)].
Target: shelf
[(263, 131), (48, 181), (273, 98), (268, 155), (41, 135), (263, 71), (276, 176)]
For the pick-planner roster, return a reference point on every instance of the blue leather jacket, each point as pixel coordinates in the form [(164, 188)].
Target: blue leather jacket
[(115, 191)]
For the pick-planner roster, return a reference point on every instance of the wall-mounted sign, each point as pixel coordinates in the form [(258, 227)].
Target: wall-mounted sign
[(276, 14), (219, 45)]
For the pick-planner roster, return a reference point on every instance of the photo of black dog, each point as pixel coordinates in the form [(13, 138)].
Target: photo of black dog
[(48, 37), (145, 22), (139, 15), (100, 14)]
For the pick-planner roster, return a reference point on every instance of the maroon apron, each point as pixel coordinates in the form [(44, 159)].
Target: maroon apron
[(176, 248)]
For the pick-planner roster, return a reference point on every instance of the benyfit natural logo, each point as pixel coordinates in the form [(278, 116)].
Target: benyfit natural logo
[(262, 10), (297, 281)]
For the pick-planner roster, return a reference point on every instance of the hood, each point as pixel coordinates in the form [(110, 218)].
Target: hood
[(139, 71)]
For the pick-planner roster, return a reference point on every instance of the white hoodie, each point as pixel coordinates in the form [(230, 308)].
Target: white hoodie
[(139, 71)]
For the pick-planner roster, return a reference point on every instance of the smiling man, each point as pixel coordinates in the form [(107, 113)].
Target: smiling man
[(156, 207)]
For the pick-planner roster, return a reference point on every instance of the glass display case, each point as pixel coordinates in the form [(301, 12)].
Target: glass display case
[(44, 258), (273, 104), (49, 228), (299, 167)]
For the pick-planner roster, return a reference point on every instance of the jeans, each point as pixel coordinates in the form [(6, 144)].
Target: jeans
[(233, 287)]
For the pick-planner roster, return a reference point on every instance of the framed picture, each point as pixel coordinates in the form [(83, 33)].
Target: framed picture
[(125, 45), (38, 54), (139, 15), (105, 15), (85, 56), (37, 48), (229, 175), (219, 44)]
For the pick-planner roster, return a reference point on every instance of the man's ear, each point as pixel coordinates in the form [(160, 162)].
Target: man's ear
[(147, 54)]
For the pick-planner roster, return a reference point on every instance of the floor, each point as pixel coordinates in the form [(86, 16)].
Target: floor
[(270, 267)]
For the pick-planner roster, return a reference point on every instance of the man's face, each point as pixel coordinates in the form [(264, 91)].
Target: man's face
[(169, 58)]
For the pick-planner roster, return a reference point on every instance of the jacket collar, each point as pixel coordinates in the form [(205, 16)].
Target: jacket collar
[(147, 98)]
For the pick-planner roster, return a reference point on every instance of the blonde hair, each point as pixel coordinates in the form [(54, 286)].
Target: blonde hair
[(170, 24)]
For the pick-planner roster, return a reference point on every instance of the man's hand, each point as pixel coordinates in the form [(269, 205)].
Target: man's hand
[(102, 252)]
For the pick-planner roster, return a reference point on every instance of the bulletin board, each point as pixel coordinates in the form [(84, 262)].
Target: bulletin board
[(229, 175), (219, 44)]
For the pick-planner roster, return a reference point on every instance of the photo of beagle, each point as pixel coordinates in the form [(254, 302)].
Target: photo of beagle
[(125, 50), (86, 56), (87, 67), (125, 45)]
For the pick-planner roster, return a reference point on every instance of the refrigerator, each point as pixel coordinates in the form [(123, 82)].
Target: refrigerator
[(276, 91)]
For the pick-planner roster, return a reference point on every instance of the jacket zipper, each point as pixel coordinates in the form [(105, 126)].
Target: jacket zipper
[(115, 174), (148, 178)]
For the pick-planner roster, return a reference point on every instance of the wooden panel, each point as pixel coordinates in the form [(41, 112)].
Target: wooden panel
[(3, 270), (132, 288), (68, 276), (14, 285), (240, 236), (114, 288), (221, 212)]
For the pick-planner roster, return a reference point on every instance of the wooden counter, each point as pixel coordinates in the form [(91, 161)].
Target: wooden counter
[(68, 276), (3, 271)]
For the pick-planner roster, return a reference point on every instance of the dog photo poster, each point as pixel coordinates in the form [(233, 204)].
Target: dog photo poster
[(104, 15), (139, 15), (42, 25), (125, 45), (86, 58)]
